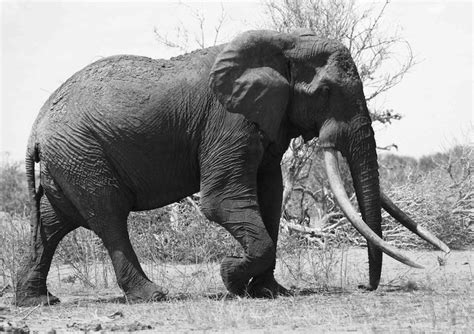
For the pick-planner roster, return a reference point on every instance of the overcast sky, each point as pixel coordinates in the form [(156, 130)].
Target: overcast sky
[(42, 44)]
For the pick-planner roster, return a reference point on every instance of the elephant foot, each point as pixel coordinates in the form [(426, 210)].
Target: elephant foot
[(237, 282), (148, 292), (31, 289), (27, 298), (234, 280), (366, 287), (268, 288)]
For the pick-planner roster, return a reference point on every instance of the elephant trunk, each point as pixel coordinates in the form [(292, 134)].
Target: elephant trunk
[(362, 158)]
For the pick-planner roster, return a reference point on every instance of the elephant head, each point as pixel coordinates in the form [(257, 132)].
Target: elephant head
[(312, 86)]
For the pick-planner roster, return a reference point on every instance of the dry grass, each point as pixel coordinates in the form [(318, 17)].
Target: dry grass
[(437, 299)]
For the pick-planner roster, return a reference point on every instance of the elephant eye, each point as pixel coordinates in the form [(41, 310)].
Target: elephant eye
[(305, 74), (323, 92), (322, 98)]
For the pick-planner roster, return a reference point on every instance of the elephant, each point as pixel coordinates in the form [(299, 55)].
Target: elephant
[(130, 133)]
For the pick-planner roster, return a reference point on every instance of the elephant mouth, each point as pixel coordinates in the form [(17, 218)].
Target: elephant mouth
[(337, 187), (309, 135)]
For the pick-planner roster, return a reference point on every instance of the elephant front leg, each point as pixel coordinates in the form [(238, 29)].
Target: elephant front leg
[(241, 217), (229, 196), (270, 192)]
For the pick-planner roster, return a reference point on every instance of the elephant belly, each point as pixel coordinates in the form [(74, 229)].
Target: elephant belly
[(158, 177), (164, 190)]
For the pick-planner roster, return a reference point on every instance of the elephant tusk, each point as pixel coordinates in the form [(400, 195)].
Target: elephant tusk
[(406, 221), (337, 187)]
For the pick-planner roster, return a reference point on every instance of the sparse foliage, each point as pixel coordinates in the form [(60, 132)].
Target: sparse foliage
[(186, 39), (360, 30)]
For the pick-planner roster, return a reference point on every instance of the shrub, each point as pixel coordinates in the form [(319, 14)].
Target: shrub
[(435, 191), (440, 197), (13, 194), (14, 243), (179, 233)]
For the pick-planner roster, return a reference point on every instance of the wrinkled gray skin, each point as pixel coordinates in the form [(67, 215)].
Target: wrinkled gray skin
[(131, 133)]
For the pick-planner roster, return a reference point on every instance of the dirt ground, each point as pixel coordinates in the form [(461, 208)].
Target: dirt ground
[(438, 299)]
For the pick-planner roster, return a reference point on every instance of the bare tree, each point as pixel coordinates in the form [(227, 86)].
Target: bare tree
[(382, 59), (185, 39), (359, 29)]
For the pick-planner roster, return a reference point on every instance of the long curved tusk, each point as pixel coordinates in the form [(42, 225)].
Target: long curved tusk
[(337, 187), (406, 221)]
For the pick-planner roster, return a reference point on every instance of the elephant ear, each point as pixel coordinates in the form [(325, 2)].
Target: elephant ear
[(250, 77)]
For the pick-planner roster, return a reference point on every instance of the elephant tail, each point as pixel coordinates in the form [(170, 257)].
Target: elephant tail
[(32, 156)]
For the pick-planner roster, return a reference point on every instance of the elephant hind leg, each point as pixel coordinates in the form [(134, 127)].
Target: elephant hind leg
[(31, 278), (103, 203), (107, 216), (112, 229)]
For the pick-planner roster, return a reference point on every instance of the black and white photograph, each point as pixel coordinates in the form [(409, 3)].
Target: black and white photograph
[(255, 166)]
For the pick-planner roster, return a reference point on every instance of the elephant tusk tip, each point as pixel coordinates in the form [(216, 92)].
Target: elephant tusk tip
[(418, 266), (413, 264), (446, 249), (406, 221), (427, 235)]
